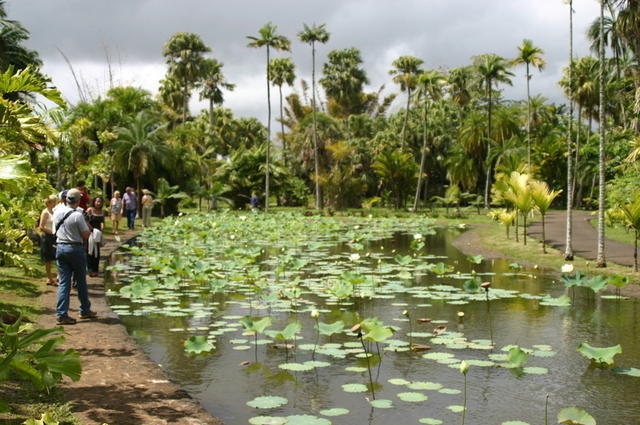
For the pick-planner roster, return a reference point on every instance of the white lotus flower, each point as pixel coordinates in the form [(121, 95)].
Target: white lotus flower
[(315, 314), (417, 236), (354, 257), (567, 268)]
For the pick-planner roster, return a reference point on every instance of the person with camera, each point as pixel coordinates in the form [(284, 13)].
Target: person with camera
[(71, 230)]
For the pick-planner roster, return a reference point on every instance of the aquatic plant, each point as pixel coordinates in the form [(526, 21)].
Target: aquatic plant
[(575, 416), (600, 356), (464, 369), (286, 334), (255, 326), (198, 344)]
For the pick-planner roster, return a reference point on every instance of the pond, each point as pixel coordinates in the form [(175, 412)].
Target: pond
[(190, 282)]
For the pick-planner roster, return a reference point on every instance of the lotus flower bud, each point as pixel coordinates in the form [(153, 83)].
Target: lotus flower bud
[(405, 313), (464, 367), (315, 314)]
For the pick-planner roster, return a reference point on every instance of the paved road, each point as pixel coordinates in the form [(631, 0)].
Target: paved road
[(584, 238)]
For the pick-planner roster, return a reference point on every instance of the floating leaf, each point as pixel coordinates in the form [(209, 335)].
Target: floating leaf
[(355, 369), (306, 420), (267, 402), (398, 381), (329, 329), (336, 411), (456, 408), (381, 404), (535, 370), (197, 344), (575, 416), (514, 423), (601, 356), (449, 391), (354, 388), (430, 421), (475, 259), (268, 420), (424, 386), (631, 371), (517, 357), (437, 356), (562, 301), (296, 367), (412, 397), (619, 281)]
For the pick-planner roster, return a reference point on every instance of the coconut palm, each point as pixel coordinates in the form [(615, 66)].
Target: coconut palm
[(282, 72), (139, 146), (212, 85), (269, 38), (600, 258), (183, 53), (492, 70), (406, 70), (529, 55), (542, 198), (430, 85), (312, 35), (568, 249)]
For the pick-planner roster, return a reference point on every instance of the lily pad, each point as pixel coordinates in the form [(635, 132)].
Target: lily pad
[(398, 381), (451, 391), (455, 408), (381, 404), (336, 411), (198, 344), (430, 421), (267, 402), (424, 386), (631, 371), (601, 356), (412, 397), (535, 370), (306, 420), (354, 388), (268, 420)]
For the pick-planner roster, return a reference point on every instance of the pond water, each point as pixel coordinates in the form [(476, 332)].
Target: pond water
[(200, 275)]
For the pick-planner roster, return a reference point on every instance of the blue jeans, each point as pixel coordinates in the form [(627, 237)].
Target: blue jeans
[(131, 218), (72, 264)]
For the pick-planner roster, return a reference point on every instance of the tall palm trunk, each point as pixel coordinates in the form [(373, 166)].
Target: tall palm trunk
[(528, 121), (544, 237), (487, 183), (266, 180), (211, 113), (568, 251), (600, 259), (575, 200), (406, 119), (284, 139), (185, 105), (423, 156), (315, 126)]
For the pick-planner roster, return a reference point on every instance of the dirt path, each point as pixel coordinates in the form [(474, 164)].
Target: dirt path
[(584, 238), (120, 385)]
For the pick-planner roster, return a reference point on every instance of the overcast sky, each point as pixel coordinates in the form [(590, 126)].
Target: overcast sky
[(444, 33)]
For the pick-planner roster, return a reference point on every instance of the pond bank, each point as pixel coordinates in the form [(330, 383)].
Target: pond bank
[(489, 240), (119, 384)]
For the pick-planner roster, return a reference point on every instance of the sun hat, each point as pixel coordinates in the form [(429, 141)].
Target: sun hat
[(63, 194)]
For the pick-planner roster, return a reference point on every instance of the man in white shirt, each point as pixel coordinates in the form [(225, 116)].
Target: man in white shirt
[(71, 231)]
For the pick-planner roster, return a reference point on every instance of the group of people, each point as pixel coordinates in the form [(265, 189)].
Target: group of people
[(72, 233)]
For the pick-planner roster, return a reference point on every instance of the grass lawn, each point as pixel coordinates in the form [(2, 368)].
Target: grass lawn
[(617, 232), (19, 293)]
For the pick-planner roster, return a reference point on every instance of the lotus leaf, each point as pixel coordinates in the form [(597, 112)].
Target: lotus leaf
[(354, 388), (306, 420), (430, 421), (268, 420), (197, 344), (381, 404), (631, 371), (575, 416), (412, 397), (267, 402), (336, 411), (601, 356)]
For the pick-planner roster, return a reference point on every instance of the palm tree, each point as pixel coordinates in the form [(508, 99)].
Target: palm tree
[(600, 258), (492, 70), (183, 53), (282, 72), (269, 38), (397, 170), (343, 82), (312, 35), (430, 84), (529, 55), (213, 84), (631, 214), (542, 198), (405, 71), (139, 146), (568, 250), (164, 192)]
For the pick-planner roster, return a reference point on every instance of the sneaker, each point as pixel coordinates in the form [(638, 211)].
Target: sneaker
[(89, 315), (66, 320)]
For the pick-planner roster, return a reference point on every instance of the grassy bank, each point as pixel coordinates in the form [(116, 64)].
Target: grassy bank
[(20, 296)]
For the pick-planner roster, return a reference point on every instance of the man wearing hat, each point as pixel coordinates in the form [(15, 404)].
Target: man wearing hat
[(71, 230)]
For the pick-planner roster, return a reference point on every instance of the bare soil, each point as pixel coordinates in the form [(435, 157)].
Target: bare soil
[(120, 384)]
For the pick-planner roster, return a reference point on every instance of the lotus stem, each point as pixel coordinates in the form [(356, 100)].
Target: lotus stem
[(464, 402), (366, 352), (546, 410), (313, 354)]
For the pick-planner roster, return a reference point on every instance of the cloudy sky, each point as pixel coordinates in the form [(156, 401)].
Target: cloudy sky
[(444, 33)]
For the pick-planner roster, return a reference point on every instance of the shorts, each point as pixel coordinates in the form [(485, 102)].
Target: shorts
[(115, 217), (47, 247)]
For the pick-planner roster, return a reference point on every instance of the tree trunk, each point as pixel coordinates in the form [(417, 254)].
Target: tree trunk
[(600, 259), (423, 156), (284, 140), (406, 119), (577, 155), (544, 241), (516, 225), (524, 225), (528, 122), (315, 126), (266, 180), (487, 183), (635, 253), (568, 252), (185, 105)]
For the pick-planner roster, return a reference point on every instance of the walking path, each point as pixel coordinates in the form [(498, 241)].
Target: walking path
[(584, 237), (119, 385)]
